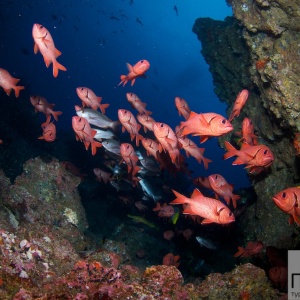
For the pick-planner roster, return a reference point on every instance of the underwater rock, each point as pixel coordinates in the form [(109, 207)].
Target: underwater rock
[(251, 51)]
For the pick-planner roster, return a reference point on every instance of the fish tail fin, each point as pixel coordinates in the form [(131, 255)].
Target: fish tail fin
[(240, 252), (231, 151), (55, 114), (17, 90), (124, 80), (138, 138), (57, 66), (103, 107), (206, 161), (94, 146), (180, 199), (234, 199)]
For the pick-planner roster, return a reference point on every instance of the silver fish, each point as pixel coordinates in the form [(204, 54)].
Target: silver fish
[(103, 134), (206, 243), (112, 146), (149, 190), (96, 118)]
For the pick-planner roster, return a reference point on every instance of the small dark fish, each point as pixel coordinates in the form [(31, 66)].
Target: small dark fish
[(114, 18), (54, 17), (206, 243), (131, 2), (176, 10), (24, 51), (124, 16), (139, 21)]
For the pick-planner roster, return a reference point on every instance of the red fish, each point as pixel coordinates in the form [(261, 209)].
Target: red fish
[(168, 235), (146, 121), (43, 41), (167, 141), (42, 105), (130, 158), (102, 175), (192, 149), (151, 147), (8, 83), (206, 125), (202, 181), (247, 133), (239, 104), (252, 248), (222, 188), (129, 123), (88, 98), (138, 70), (165, 210), (288, 200), (212, 210), (49, 131), (279, 276), (182, 107), (137, 103), (171, 260), (85, 133), (257, 158), (71, 168)]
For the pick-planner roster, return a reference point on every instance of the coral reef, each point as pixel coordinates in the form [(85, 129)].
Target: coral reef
[(256, 49), (45, 252)]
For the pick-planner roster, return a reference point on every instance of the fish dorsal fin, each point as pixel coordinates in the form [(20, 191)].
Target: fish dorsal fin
[(57, 53), (129, 67), (193, 114), (245, 146), (196, 193)]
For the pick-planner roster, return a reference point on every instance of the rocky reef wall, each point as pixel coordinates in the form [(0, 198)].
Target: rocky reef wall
[(258, 49)]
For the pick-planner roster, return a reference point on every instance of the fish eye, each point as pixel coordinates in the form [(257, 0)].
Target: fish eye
[(161, 125), (266, 152), (79, 120), (41, 26), (223, 121), (127, 146), (283, 195), (216, 177), (142, 61), (230, 214), (82, 88)]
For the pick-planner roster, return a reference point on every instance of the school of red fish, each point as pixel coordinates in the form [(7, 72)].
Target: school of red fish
[(166, 143)]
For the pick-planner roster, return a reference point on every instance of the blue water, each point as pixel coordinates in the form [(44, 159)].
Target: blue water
[(95, 47)]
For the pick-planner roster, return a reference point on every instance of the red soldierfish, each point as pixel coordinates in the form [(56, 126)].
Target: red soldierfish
[(130, 158), (42, 105), (129, 123), (137, 103), (257, 158), (252, 248), (247, 133), (167, 141), (164, 210), (7, 82), (192, 149), (43, 41), (88, 98), (150, 146), (138, 70), (239, 104), (85, 133), (49, 131), (288, 200), (212, 210), (182, 107), (222, 188), (206, 125), (146, 121)]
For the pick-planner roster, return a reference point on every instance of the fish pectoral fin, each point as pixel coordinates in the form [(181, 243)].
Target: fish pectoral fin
[(206, 221), (36, 48)]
